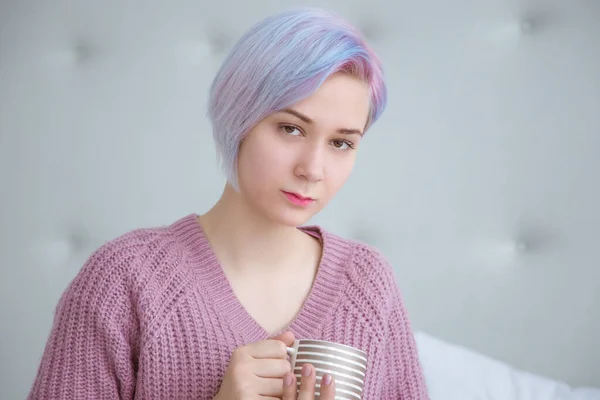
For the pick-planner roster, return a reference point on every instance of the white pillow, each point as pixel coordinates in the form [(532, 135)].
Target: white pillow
[(453, 372)]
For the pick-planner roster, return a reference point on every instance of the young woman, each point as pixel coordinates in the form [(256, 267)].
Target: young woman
[(203, 308)]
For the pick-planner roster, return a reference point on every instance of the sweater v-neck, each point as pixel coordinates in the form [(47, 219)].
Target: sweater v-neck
[(320, 303)]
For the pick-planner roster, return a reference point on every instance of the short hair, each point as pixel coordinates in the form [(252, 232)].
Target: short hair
[(278, 62)]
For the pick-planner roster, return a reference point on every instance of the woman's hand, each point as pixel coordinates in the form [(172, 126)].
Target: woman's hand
[(307, 385), (256, 371)]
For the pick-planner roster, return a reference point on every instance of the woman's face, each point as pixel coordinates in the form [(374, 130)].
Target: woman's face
[(293, 162)]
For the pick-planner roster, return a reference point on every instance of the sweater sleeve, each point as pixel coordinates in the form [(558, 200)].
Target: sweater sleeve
[(91, 349), (404, 378)]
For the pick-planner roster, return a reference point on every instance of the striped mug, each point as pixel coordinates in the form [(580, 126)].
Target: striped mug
[(346, 364)]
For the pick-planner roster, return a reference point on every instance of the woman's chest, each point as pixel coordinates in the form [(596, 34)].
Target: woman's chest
[(189, 355), (186, 355)]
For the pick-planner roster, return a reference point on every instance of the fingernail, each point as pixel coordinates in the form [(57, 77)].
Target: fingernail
[(306, 370), (326, 379), (287, 381)]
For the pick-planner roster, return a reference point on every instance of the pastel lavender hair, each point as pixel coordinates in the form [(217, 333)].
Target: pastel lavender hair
[(280, 61)]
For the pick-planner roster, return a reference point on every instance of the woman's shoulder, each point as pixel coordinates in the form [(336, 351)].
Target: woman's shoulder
[(131, 273), (134, 259), (135, 248), (367, 266), (371, 291)]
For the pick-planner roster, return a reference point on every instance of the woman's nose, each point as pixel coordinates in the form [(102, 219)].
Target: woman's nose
[(310, 164)]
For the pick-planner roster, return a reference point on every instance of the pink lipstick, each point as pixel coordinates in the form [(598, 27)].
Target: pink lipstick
[(298, 199)]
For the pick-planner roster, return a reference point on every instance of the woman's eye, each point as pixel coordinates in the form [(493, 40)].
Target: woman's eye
[(342, 144), (291, 130)]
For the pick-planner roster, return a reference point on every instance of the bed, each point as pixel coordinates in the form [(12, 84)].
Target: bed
[(455, 372)]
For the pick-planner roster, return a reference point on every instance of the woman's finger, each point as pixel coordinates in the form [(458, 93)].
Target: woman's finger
[(289, 386), (271, 368), (327, 390), (268, 349), (307, 383), (270, 387)]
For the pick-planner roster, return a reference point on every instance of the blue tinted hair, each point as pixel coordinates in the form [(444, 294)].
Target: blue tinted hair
[(281, 60)]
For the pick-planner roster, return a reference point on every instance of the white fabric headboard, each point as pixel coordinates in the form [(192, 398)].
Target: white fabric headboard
[(480, 182)]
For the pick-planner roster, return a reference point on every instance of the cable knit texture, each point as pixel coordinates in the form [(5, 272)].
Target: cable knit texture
[(151, 315)]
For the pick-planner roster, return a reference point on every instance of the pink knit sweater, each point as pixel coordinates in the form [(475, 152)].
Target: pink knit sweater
[(151, 315)]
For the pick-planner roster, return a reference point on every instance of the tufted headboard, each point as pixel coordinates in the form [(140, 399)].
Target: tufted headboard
[(480, 183)]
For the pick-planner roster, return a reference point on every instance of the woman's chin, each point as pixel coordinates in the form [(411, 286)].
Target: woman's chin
[(292, 218)]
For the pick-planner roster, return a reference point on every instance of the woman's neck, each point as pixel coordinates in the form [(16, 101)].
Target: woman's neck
[(244, 239)]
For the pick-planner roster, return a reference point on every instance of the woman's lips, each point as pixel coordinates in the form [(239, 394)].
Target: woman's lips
[(297, 199)]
